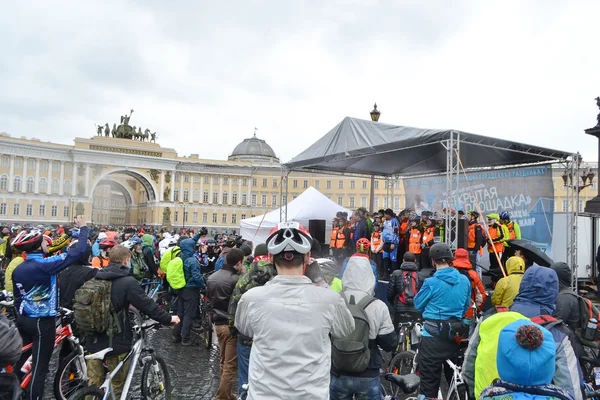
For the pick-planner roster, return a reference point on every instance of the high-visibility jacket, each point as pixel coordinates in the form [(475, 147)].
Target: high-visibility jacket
[(3, 246), (376, 242), (100, 262), (428, 236), (514, 230), (333, 237), (340, 239), (472, 240), (414, 241), (496, 236), (403, 229)]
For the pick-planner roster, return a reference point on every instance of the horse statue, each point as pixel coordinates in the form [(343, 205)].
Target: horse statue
[(106, 130), (153, 137), (146, 136), (140, 135), (99, 130), (114, 131)]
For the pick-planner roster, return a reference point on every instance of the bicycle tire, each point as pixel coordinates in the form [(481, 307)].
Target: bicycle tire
[(459, 394), (401, 359), (207, 334), (58, 389), (166, 389), (91, 391)]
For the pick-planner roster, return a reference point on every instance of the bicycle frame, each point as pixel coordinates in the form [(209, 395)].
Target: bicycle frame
[(134, 355), (152, 292), (457, 379)]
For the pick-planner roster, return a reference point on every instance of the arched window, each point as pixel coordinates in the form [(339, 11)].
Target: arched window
[(55, 186), (17, 184), (67, 188), (30, 184), (4, 182), (43, 185)]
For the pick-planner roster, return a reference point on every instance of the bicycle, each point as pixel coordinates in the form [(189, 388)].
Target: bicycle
[(403, 362), (205, 315), (406, 383), (153, 367)]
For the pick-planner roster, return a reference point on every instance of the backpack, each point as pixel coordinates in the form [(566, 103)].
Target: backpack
[(175, 274), (587, 311), (167, 257), (352, 353), (93, 311), (409, 288)]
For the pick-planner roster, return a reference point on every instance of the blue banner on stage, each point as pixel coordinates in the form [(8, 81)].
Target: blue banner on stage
[(526, 193)]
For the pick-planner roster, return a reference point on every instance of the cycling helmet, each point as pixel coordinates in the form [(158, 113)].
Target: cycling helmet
[(440, 251), (107, 243), (504, 215), (474, 213), (363, 245), (130, 244), (58, 243), (289, 237), (29, 240)]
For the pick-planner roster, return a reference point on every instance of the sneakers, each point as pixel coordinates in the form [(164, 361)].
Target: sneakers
[(188, 342)]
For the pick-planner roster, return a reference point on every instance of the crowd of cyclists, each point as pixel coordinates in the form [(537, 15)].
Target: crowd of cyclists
[(296, 320)]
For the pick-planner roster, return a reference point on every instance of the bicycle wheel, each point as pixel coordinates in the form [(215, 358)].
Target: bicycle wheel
[(156, 383), (90, 392), (69, 377), (164, 301), (460, 393), (207, 330), (402, 363)]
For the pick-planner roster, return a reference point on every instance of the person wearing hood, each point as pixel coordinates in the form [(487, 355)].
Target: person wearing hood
[(462, 263), (525, 364), (359, 282), (227, 246), (497, 235), (165, 241), (125, 291), (96, 251), (148, 254), (538, 292), (188, 297), (443, 300), (403, 303), (507, 288), (567, 303)]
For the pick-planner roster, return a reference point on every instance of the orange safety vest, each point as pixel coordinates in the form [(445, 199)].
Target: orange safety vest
[(376, 240), (429, 234), (340, 239), (403, 229), (511, 230), (414, 241), (494, 233), (333, 237)]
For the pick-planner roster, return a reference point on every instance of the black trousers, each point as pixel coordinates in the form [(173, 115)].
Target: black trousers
[(433, 353), (187, 308), (40, 332)]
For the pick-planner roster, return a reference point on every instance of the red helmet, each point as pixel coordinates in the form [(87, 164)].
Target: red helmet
[(107, 243), (29, 240), (363, 245), (289, 236)]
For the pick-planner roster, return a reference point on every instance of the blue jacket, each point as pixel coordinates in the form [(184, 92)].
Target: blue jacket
[(96, 251), (191, 266), (446, 295), (35, 281), (361, 230), (389, 227)]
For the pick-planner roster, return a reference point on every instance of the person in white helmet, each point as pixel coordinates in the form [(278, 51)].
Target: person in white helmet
[(290, 321)]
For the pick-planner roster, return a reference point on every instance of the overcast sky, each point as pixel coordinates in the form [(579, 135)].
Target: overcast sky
[(204, 74)]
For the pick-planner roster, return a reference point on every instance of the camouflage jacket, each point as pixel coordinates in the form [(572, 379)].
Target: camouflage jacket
[(257, 274)]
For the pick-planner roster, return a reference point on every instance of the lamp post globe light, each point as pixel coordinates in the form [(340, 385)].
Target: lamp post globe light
[(375, 113), (593, 205)]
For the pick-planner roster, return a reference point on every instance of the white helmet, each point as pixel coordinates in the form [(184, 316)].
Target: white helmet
[(289, 236)]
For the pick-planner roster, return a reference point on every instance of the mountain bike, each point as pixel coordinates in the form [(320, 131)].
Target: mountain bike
[(406, 383), (206, 319), (156, 383)]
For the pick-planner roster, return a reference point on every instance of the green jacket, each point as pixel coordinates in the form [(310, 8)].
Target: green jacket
[(258, 273)]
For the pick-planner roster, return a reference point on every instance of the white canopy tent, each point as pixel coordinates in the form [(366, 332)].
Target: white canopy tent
[(311, 204)]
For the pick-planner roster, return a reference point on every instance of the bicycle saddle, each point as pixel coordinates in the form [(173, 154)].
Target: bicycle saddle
[(592, 361), (407, 383)]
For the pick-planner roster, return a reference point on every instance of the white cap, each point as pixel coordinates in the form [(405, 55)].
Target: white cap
[(102, 236)]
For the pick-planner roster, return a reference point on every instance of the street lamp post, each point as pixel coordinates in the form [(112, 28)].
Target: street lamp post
[(593, 205), (184, 206), (375, 113)]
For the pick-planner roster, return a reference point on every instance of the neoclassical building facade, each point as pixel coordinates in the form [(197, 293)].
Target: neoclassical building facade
[(116, 181)]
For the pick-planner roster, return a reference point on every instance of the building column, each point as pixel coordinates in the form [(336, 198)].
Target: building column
[(249, 195), (220, 190), (36, 187), (162, 186), (11, 174), (49, 183), (239, 196), (201, 199), (210, 192), (181, 178), (87, 180), (24, 180), (74, 181), (230, 191), (172, 194), (62, 178)]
